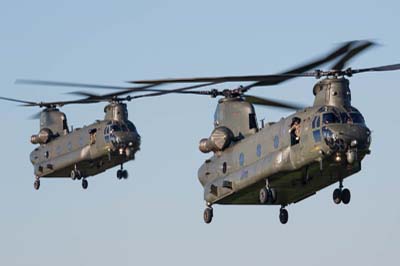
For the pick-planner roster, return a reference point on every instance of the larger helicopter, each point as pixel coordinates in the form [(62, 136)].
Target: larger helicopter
[(82, 152), (284, 162)]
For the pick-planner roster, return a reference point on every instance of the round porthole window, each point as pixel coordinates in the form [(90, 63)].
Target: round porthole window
[(241, 159), (258, 150), (276, 142), (224, 167)]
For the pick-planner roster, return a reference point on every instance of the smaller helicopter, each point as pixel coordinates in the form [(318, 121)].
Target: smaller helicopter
[(82, 152), (287, 161)]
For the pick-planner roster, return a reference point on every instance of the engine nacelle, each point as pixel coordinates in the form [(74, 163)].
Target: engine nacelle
[(43, 137), (220, 139)]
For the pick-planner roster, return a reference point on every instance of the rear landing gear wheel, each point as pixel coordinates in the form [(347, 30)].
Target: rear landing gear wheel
[(36, 184), (346, 196), (337, 196), (84, 183), (283, 215), (208, 215), (119, 174)]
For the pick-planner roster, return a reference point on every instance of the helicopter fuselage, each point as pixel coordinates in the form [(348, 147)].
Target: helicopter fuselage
[(91, 149), (332, 143)]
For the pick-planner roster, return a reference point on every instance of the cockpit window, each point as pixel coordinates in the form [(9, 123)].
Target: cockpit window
[(131, 127), (345, 118), (124, 128), (330, 118), (357, 118), (115, 127)]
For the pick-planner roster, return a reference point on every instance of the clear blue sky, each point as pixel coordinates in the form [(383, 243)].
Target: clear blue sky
[(155, 217)]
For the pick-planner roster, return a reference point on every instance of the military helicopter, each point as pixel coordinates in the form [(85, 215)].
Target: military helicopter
[(284, 162), (82, 152)]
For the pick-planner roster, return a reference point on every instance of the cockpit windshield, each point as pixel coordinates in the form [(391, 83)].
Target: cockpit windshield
[(115, 127), (125, 126), (330, 118)]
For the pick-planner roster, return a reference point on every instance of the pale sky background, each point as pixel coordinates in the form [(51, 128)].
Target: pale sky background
[(155, 217)]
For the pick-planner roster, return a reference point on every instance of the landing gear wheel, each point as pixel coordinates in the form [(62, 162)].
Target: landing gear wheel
[(272, 195), (36, 184), (345, 196), (208, 215), (84, 183), (125, 174), (264, 195), (283, 216), (119, 174), (337, 196), (76, 174), (73, 175)]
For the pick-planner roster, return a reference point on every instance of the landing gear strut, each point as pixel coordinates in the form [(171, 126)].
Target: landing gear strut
[(341, 195), (283, 215), (208, 214), (36, 184), (121, 173)]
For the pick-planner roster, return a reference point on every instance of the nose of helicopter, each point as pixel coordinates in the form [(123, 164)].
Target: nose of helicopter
[(347, 136), (127, 141)]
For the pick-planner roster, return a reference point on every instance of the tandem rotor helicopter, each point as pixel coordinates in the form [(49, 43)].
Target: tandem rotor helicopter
[(284, 162), (82, 152)]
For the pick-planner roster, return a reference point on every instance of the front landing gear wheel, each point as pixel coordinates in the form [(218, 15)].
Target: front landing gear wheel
[(208, 215), (345, 195), (125, 174), (283, 215), (84, 183), (36, 184), (76, 174), (264, 195), (119, 174), (337, 196)]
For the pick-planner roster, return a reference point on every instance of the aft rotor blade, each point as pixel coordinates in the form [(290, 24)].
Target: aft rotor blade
[(262, 79), (84, 85), (272, 103), (16, 100), (380, 68), (65, 84), (35, 116), (180, 90), (352, 53)]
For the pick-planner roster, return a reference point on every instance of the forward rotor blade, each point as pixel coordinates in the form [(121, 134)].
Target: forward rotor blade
[(380, 68), (352, 53), (272, 103), (312, 65), (263, 79)]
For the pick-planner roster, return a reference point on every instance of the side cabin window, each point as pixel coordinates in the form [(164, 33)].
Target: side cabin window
[(316, 122), (315, 126)]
